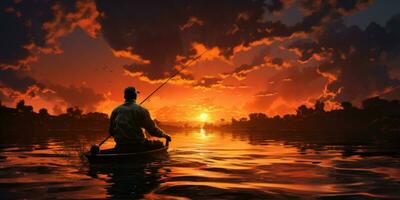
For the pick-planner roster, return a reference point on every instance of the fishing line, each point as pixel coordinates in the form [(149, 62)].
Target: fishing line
[(171, 77)]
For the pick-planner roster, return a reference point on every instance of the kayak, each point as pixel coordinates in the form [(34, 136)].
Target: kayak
[(105, 156)]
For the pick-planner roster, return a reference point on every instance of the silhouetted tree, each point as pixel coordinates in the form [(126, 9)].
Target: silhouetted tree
[(303, 111), (374, 103), (96, 115), (257, 116), (347, 106), (74, 112), (234, 121), (21, 107), (319, 107), (276, 117), (43, 112)]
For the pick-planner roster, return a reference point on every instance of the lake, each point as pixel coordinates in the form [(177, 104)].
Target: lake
[(202, 164)]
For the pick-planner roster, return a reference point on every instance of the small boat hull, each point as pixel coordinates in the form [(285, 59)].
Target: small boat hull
[(126, 157)]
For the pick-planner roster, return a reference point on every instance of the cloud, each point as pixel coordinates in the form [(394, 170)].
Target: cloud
[(158, 36), (164, 31), (19, 33), (15, 85), (320, 11), (16, 80), (35, 26), (256, 63), (211, 82), (241, 72), (82, 14), (80, 96), (357, 62), (263, 59), (3, 97), (288, 88)]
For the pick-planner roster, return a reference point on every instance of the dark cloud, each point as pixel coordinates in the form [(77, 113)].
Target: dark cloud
[(37, 24), (154, 33), (21, 24), (21, 85), (17, 80), (33, 27), (277, 61), (159, 31), (242, 71), (316, 13), (82, 96), (274, 5), (357, 61), (208, 82)]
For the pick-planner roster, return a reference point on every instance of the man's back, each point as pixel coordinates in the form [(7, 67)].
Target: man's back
[(127, 121)]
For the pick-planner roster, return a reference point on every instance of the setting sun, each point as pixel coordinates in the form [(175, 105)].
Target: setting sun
[(203, 117)]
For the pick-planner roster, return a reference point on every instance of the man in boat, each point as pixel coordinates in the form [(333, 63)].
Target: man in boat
[(127, 123)]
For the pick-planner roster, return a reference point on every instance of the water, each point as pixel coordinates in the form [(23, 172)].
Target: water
[(201, 165)]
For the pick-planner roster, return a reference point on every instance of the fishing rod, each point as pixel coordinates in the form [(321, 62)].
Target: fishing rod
[(96, 148), (171, 77)]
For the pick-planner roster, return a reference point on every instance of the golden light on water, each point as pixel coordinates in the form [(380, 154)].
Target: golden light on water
[(203, 133), (203, 117)]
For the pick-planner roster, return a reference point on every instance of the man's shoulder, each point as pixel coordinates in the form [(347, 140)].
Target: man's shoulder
[(134, 106), (131, 106), (141, 108), (118, 108)]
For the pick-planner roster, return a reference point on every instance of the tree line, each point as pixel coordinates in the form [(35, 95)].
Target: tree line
[(374, 115), (23, 118)]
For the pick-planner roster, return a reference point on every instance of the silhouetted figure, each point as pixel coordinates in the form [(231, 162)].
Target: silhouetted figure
[(127, 121)]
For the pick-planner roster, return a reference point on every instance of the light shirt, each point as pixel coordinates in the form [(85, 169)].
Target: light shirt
[(128, 121)]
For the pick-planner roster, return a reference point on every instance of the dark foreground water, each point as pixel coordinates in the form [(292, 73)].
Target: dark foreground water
[(202, 165)]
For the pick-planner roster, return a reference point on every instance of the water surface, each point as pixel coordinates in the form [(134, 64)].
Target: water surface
[(201, 164)]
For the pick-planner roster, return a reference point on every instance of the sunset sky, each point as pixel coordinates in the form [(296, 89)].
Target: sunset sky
[(261, 56)]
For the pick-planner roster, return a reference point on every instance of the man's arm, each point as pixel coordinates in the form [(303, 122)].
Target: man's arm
[(111, 129), (152, 128)]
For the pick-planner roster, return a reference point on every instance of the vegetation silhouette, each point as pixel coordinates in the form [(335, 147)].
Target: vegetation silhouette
[(376, 115), (22, 118)]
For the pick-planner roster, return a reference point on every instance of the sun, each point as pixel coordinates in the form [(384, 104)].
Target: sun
[(203, 117)]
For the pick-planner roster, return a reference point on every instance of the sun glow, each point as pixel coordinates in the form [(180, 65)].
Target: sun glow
[(203, 117)]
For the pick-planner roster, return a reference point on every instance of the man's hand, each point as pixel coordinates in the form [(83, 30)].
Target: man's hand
[(168, 138)]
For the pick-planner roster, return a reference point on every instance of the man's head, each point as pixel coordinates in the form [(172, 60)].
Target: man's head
[(130, 93)]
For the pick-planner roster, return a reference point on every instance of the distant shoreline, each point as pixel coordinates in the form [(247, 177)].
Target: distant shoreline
[(376, 116)]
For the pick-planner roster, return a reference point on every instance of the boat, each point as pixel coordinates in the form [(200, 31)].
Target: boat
[(107, 156)]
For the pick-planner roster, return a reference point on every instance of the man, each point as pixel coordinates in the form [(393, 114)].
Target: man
[(126, 123)]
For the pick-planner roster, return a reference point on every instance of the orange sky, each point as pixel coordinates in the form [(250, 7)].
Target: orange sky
[(92, 64)]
